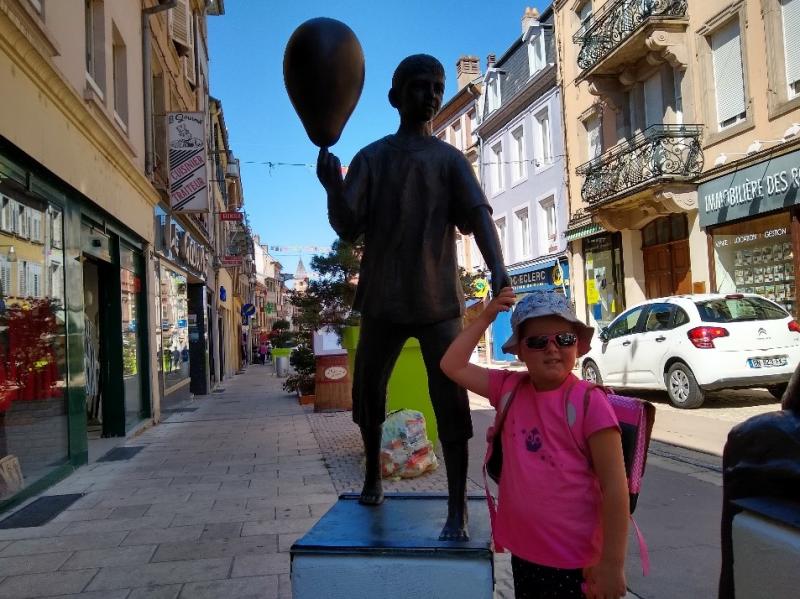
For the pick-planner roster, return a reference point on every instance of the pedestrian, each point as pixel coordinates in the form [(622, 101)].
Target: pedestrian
[(406, 194), (563, 498), (269, 352), (262, 352)]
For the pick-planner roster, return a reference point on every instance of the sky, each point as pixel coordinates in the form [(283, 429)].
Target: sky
[(286, 205)]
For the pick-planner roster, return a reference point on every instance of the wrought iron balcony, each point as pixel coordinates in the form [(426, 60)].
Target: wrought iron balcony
[(659, 153), (617, 21)]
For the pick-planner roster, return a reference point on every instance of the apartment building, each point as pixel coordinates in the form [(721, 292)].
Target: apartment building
[(680, 128), (456, 123), (522, 162)]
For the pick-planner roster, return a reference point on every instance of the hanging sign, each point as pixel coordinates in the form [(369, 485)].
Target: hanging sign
[(231, 216), (231, 260), (188, 180)]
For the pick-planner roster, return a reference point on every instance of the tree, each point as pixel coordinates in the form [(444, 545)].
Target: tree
[(329, 297), (280, 325)]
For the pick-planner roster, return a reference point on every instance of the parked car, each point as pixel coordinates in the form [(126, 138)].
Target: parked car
[(690, 344)]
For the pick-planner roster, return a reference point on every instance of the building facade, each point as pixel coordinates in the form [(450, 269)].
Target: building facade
[(79, 297), (522, 163), (456, 123), (663, 119)]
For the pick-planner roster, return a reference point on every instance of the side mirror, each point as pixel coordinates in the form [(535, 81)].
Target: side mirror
[(603, 334)]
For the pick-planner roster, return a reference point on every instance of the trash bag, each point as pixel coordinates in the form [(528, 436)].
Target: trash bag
[(406, 451)]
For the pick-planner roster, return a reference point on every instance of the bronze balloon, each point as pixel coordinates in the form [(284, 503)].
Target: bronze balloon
[(323, 70)]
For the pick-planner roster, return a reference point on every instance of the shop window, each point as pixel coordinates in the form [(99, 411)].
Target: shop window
[(756, 257), (174, 360), (603, 278), (33, 409)]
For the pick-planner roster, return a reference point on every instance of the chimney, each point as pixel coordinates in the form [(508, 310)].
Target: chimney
[(490, 60), (530, 17), (467, 69)]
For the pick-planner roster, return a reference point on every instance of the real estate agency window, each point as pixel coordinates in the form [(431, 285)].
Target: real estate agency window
[(726, 57), (756, 256), (518, 158)]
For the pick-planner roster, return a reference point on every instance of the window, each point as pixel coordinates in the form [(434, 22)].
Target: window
[(594, 140), (473, 127), (36, 226), (659, 317), (5, 278), (8, 215), (625, 324), (458, 138), (523, 233), (726, 54), (493, 92), (585, 14), (537, 58), (498, 181), (549, 209), (790, 14), (120, 78), (653, 100), (500, 223), (55, 229), (545, 149), (23, 223), (95, 44), (519, 167)]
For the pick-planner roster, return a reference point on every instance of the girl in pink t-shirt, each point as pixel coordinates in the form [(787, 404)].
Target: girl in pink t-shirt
[(563, 501)]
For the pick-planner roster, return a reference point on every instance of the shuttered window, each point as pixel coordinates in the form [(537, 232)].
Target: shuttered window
[(726, 51), (790, 11), (5, 278), (594, 142)]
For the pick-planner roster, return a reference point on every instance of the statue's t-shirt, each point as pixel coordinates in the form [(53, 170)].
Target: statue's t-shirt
[(407, 198)]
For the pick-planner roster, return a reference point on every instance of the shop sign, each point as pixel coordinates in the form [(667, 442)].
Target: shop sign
[(188, 180), (540, 277), (734, 240), (231, 216), (758, 189), (231, 260), (180, 246)]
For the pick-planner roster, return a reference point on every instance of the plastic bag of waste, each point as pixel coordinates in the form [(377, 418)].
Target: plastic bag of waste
[(406, 451)]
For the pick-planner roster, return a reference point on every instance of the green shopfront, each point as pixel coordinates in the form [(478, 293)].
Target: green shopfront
[(73, 320), (751, 217)]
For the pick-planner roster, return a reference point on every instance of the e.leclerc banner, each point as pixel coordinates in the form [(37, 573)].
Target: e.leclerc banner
[(188, 180)]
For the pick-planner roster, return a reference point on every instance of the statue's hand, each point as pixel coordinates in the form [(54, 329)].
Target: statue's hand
[(329, 171), (500, 279)]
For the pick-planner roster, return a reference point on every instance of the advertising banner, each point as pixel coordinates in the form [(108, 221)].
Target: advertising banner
[(188, 179)]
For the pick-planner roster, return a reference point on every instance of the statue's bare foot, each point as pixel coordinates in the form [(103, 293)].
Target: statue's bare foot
[(371, 493), (455, 529)]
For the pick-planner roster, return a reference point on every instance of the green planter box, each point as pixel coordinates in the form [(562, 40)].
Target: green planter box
[(278, 352), (408, 385)]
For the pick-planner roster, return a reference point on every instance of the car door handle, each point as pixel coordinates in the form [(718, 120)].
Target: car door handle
[(662, 338), (626, 343)]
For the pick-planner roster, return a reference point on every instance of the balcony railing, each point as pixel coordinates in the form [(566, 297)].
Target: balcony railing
[(617, 21), (660, 152)]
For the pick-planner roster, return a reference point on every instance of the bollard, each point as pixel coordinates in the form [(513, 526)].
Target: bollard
[(281, 366)]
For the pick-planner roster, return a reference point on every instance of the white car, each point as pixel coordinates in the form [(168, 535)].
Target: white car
[(690, 344)]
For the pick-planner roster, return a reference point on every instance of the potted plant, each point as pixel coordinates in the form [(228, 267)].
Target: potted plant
[(302, 380)]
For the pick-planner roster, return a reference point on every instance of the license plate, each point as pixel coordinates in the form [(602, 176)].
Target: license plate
[(767, 362)]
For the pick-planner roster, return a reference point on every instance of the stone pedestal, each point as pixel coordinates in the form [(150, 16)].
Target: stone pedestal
[(393, 551)]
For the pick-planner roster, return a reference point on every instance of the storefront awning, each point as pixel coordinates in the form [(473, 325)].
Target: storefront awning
[(582, 231)]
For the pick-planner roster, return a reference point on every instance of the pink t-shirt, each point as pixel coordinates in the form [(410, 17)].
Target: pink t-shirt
[(549, 503)]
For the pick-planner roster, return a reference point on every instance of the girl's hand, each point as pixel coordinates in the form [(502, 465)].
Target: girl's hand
[(605, 581), (503, 302)]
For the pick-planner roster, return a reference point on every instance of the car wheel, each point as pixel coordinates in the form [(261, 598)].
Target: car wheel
[(684, 392), (591, 373), (777, 391)]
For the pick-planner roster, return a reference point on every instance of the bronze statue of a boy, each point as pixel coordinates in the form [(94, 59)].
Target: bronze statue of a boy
[(406, 194)]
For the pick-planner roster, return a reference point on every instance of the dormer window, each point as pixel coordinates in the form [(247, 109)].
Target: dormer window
[(537, 56), (493, 90)]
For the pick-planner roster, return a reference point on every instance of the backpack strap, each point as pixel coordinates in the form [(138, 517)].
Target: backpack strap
[(499, 419), (644, 553)]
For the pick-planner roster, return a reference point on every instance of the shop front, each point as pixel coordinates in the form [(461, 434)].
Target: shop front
[(73, 328), (550, 275), (603, 278), (183, 353), (751, 216)]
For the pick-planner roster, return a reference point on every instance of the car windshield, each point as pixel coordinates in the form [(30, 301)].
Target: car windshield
[(737, 309)]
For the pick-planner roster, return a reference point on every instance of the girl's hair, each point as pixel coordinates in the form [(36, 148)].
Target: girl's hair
[(413, 65)]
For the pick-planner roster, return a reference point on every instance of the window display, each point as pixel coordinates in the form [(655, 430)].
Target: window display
[(756, 257), (174, 362), (603, 278)]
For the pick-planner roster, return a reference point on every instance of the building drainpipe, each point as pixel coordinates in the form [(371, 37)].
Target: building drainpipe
[(148, 81)]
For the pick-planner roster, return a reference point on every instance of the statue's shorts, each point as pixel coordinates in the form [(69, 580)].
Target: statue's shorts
[(379, 345)]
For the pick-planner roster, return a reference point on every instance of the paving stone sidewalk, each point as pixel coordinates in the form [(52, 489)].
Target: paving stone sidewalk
[(209, 508)]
